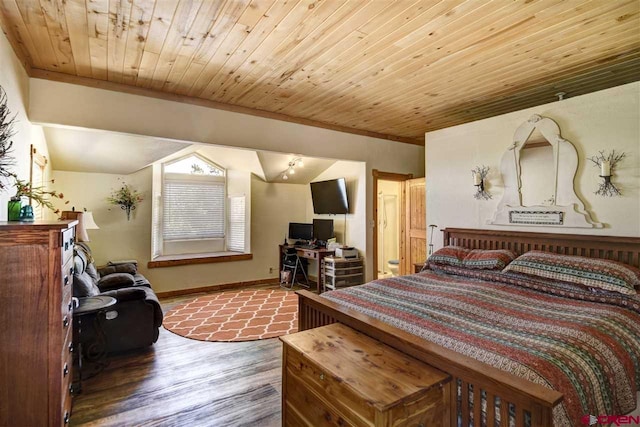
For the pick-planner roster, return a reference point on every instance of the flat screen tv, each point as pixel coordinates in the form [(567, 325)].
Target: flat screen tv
[(330, 197)]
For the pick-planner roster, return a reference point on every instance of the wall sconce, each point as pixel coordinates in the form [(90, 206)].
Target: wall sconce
[(290, 170), (607, 165), (479, 175)]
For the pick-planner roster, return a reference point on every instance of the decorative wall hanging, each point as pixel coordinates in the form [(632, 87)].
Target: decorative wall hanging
[(6, 132), (607, 164), (127, 198), (538, 174), (479, 175)]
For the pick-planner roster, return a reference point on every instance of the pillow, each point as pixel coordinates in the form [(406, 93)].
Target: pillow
[(79, 262), (116, 280), (83, 286), (591, 272), (119, 268), (487, 275), (449, 255), (91, 271), (484, 259)]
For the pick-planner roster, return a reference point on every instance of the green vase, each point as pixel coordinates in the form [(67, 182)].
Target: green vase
[(13, 209)]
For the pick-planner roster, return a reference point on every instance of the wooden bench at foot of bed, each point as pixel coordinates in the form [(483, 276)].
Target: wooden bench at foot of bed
[(526, 397)]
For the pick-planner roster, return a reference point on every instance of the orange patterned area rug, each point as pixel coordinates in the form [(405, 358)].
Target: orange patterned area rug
[(236, 316)]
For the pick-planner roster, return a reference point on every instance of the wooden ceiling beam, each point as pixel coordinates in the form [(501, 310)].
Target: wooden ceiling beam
[(134, 90)]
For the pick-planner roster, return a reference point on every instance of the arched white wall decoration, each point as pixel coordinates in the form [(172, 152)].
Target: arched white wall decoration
[(563, 208)]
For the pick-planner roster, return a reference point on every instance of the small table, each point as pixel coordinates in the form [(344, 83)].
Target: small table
[(97, 350)]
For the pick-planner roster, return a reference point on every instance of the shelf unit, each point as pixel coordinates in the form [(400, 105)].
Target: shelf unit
[(342, 272)]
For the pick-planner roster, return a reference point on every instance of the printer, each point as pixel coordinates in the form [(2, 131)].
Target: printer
[(346, 252)]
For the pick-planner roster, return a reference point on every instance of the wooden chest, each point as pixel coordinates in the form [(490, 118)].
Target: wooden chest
[(335, 376)]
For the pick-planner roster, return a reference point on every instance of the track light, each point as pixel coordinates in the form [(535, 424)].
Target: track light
[(291, 168)]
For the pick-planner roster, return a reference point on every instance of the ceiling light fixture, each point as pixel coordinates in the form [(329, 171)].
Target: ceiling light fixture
[(291, 168)]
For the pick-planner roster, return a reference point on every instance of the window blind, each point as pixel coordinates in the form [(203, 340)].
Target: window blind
[(156, 225), (236, 219), (193, 209)]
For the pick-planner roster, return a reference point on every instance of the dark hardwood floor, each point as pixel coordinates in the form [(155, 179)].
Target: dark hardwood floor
[(180, 382)]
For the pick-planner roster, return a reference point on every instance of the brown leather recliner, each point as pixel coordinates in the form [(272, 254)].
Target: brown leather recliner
[(134, 321)]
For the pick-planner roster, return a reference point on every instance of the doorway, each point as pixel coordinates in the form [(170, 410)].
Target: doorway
[(388, 225), (389, 229)]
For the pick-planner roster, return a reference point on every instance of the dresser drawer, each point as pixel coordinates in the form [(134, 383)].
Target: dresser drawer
[(67, 276), (317, 379), (66, 287), (67, 344), (66, 366), (67, 400), (306, 408), (309, 254), (68, 240)]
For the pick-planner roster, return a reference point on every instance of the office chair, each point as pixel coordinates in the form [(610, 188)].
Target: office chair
[(292, 262)]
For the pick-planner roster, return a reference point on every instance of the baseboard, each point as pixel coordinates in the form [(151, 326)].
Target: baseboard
[(218, 287)]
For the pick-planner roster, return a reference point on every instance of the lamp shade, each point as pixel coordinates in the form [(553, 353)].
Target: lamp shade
[(89, 223), (85, 222)]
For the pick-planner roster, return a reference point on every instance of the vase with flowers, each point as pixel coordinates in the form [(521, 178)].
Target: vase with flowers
[(127, 198), (24, 190)]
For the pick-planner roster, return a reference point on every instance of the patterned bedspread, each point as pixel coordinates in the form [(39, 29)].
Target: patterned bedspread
[(587, 350)]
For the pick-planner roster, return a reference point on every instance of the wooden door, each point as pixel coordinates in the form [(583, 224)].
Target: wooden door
[(415, 228)]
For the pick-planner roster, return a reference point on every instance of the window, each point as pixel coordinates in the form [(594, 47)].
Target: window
[(192, 212)]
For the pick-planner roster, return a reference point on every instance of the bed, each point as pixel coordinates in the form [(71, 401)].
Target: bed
[(485, 392)]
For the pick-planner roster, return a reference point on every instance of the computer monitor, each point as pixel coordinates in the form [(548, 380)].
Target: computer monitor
[(322, 229), (300, 231)]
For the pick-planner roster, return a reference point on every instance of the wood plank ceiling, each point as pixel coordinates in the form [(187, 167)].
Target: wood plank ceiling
[(394, 69)]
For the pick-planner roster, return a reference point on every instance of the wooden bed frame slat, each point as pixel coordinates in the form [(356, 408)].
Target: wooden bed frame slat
[(528, 398), (491, 413)]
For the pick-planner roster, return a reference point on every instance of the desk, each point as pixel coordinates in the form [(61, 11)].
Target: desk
[(314, 254)]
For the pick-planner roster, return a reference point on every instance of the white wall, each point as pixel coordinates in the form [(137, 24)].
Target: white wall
[(15, 82), (355, 175), (57, 103), (605, 120), (117, 238), (273, 205)]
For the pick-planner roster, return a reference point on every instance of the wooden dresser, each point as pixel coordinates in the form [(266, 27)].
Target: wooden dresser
[(335, 376), (36, 273)]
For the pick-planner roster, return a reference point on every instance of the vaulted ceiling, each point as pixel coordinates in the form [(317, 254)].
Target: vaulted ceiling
[(392, 69)]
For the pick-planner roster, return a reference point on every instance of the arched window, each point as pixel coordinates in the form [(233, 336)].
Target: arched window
[(192, 213)]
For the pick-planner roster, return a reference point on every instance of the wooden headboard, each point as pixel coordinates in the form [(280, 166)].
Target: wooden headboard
[(623, 249)]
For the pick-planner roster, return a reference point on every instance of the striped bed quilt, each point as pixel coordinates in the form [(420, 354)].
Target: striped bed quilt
[(584, 345)]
